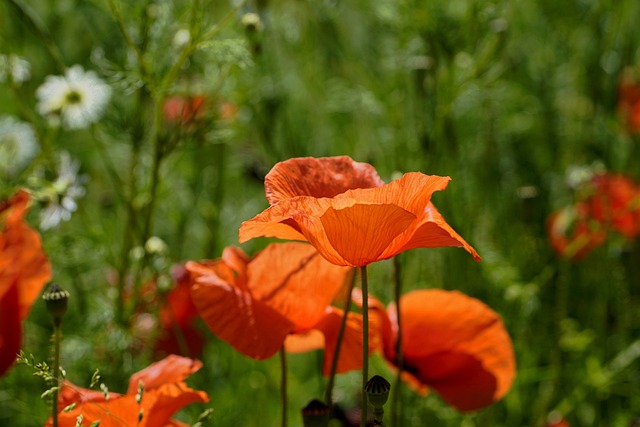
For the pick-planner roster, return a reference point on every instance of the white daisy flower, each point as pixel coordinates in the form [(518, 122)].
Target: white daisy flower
[(15, 68), (60, 197), (18, 145), (78, 98)]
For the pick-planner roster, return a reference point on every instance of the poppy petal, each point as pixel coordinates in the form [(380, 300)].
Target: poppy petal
[(171, 369), (318, 177), (170, 398), (361, 233), (432, 232), (295, 280), (411, 192), (458, 346), (278, 220), (251, 327)]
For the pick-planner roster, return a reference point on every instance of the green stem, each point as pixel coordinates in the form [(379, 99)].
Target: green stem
[(397, 281), (336, 352), (40, 30), (57, 337), (283, 385), (365, 344)]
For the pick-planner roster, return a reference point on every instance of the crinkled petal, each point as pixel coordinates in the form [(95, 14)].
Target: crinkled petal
[(361, 233), (250, 326), (295, 280), (318, 177), (432, 231)]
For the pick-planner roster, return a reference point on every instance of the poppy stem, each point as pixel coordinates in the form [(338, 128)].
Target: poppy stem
[(57, 337), (336, 352), (283, 385), (365, 344), (397, 281)]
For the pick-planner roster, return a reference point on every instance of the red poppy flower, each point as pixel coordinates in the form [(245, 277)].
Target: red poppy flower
[(184, 109), (616, 202), (342, 208), (253, 304), (573, 234), (164, 393), (24, 270), (179, 334), (453, 344)]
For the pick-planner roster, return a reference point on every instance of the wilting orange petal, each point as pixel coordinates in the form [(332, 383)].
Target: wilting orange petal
[(458, 346), (250, 326), (295, 280), (318, 177), (171, 369), (10, 328)]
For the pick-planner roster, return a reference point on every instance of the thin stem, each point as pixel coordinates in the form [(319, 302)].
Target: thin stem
[(365, 344), (283, 385), (57, 336), (336, 352), (115, 12), (397, 282)]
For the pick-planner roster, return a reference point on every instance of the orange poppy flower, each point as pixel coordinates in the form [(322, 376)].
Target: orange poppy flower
[(453, 344), (343, 209), (573, 234), (164, 393), (253, 304), (24, 270)]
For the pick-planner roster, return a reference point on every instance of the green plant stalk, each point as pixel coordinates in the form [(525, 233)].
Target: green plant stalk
[(365, 345), (396, 399), (283, 385), (57, 337), (40, 30), (336, 353)]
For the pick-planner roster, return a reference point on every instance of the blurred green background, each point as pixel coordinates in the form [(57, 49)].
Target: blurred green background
[(503, 96)]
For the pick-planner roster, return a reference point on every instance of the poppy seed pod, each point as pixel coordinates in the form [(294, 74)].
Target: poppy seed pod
[(56, 299), (377, 390), (316, 414)]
